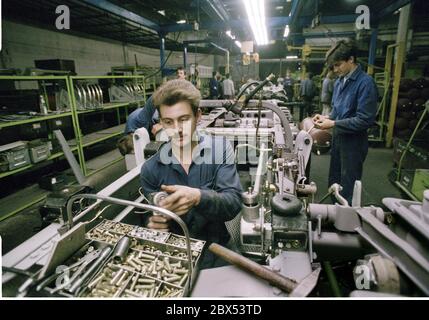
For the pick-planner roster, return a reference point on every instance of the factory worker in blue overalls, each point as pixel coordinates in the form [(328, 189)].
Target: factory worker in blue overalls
[(354, 108)]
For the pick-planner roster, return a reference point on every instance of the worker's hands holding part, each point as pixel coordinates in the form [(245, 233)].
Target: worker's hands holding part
[(323, 122), (180, 200)]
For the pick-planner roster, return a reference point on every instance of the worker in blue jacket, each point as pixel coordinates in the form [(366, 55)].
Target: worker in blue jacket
[(354, 108), (197, 171)]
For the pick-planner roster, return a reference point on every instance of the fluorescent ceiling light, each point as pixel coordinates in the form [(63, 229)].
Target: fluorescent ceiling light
[(229, 34), (255, 10), (162, 12), (279, 8), (291, 57), (286, 33), (181, 21), (237, 43)]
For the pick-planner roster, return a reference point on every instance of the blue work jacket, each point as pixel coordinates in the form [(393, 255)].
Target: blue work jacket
[(143, 117), (213, 171), (354, 103)]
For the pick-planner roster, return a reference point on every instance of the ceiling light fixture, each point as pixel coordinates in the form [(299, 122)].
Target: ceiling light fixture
[(237, 43), (286, 32), (181, 21), (255, 10), (229, 34), (291, 57)]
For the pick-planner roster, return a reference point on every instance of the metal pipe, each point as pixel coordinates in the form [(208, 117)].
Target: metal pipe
[(262, 167), (332, 279), (127, 203), (121, 249)]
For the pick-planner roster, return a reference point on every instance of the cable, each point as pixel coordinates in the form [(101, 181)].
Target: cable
[(245, 88)]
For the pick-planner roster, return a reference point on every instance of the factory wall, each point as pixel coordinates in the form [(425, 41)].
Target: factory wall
[(22, 44)]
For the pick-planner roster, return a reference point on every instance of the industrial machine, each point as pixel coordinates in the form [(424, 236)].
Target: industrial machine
[(280, 227)]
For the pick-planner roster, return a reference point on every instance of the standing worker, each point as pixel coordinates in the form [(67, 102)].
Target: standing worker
[(354, 107), (214, 86), (327, 90), (228, 88), (308, 91)]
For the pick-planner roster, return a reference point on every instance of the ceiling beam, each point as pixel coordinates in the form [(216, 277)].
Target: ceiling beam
[(392, 8), (123, 13)]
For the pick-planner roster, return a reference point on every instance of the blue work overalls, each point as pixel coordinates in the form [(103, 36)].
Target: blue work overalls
[(354, 107)]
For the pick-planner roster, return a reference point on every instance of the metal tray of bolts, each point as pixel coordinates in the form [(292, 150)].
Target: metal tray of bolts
[(145, 263)]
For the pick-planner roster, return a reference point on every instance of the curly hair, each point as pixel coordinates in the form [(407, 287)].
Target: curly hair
[(175, 91)]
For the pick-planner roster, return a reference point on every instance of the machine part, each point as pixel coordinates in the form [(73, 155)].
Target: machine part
[(303, 145), (120, 94), (380, 273), (304, 288), (39, 151), (14, 155), (273, 278), (335, 190), (332, 246), (140, 139), (310, 241), (250, 211), (286, 205), (271, 105), (152, 148), (121, 249), (343, 218), (411, 262), (70, 157), (81, 265), (415, 213), (321, 138), (80, 99), (104, 255), (54, 207), (307, 189), (158, 197)]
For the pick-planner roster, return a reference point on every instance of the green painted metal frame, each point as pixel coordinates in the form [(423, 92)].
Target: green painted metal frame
[(79, 137), (74, 113)]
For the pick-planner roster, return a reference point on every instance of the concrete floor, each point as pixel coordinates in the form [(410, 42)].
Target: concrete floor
[(376, 185), (375, 182)]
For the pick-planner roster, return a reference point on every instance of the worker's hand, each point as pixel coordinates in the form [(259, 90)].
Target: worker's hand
[(318, 117), (158, 222), (324, 124), (156, 128), (181, 198)]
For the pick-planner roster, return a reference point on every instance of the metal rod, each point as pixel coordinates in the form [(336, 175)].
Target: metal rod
[(286, 284)]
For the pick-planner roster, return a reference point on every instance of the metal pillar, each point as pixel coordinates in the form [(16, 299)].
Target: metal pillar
[(372, 51), (400, 56), (162, 54), (185, 55)]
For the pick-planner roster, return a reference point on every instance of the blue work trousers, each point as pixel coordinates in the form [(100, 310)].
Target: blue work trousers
[(348, 154)]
